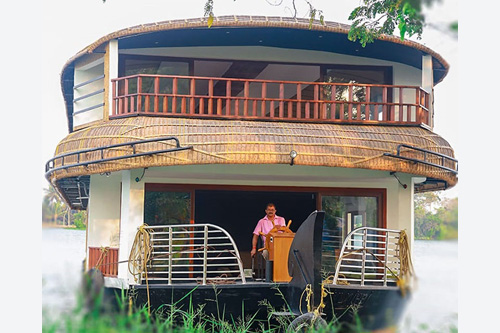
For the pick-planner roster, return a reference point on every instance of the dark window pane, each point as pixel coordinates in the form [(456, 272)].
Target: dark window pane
[(163, 208)]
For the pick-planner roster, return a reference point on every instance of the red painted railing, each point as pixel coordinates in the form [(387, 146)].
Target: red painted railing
[(190, 96), (105, 259)]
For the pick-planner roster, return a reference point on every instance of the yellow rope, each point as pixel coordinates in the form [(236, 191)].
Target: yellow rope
[(104, 253), (140, 255), (406, 265)]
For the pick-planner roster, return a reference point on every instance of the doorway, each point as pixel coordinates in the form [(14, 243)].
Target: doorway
[(239, 211)]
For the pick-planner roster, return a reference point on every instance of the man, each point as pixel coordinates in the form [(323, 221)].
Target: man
[(265, 225)]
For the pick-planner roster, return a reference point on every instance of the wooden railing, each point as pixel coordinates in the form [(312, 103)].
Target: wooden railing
[(192, 96), (105, 259)]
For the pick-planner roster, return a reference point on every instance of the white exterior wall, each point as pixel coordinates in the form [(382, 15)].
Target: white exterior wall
[(132, 217), (116, 206), (88, 68), (399, 199), (104, 211)]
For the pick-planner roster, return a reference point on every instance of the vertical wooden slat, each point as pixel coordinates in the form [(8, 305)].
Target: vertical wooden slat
[(165, 104), (126, 98), (202, 105), (113, 91), (156, 107), (228, 98), (282, 97), (174, 95), (299, 98), (139, 94), (210, 96), (401, 118), (120, 106), (334, 105), (263, 97), (183, 105), (245, 101), (316, 101), (219, 106), (367, 101), (192, 93), (384, 104), (349, 106)]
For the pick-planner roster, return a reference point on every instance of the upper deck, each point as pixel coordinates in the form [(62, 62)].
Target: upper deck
[(255, 68), (247, 87)]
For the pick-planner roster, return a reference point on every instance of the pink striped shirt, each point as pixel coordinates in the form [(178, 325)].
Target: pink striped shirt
[(265, 225)]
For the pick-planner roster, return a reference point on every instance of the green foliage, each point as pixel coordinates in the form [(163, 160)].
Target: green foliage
[(435, 218), (378, 17), (56, 212), (79, 219)]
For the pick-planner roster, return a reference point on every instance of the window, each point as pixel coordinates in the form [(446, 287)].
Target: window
[(343, 214), (363, 77), (133, 65), (162, 208)]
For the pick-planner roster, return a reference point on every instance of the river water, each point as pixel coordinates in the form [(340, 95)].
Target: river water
[(434, 306)]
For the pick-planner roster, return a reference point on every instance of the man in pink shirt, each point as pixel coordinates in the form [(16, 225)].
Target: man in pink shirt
[(265, 225)]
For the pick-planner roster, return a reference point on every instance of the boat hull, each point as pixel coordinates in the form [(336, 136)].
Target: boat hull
[(374, 307)]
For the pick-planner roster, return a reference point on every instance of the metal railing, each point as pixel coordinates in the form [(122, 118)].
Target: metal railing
[(110, 153), (199, 253), (369, 256), (427, 157), (88, 94), (217, 97)]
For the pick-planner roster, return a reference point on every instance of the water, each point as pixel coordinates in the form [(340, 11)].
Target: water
[(63, 252), (434, 304)]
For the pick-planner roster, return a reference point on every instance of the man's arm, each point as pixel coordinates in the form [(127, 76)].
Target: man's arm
[(254, 244)]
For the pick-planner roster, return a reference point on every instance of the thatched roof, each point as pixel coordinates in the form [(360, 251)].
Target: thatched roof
[(253, 142)]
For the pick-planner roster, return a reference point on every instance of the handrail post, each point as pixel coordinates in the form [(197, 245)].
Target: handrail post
[(386, 257), (170, 247), (205, 246), (363, 263)]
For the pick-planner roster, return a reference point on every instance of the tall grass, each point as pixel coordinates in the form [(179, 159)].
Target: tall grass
[(125, 317)]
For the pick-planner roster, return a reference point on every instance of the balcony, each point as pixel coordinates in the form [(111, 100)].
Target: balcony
[(250, 99)]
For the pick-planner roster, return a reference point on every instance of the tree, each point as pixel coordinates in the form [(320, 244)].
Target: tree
[(53, 208), (435, 218)]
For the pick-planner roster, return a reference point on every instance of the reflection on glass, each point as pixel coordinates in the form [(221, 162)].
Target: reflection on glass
[(343, 214), (163, 208)]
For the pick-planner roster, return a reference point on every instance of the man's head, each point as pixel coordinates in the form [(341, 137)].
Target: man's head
[(270, 210)]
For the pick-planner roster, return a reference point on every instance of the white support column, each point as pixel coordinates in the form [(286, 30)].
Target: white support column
[(400, 207), (428, 84), (132, 216), (111, 73)]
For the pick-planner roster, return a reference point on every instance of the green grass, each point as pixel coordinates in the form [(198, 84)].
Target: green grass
[(171, 318)]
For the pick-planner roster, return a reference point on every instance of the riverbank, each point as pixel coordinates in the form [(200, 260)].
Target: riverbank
[(46, 225)]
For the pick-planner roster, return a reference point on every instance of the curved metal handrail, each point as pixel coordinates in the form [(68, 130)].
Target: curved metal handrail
[(193, 253), (372, 259)]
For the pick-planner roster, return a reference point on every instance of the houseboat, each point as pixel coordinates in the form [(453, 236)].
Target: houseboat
[(180, 134)]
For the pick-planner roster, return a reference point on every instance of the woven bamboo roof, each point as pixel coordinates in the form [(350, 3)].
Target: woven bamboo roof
[(253, 142)]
